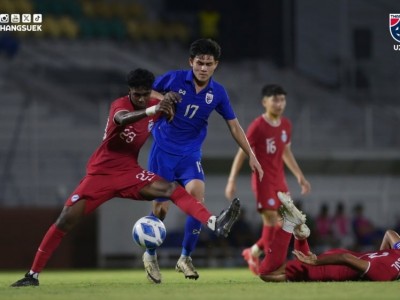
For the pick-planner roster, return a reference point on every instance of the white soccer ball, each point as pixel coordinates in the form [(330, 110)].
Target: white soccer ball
[(149, 232)]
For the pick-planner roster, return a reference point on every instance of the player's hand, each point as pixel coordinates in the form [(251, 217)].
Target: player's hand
[(310, 259), (172, 97), (305, 185), (230, 189), (167, 108), (255, 166)]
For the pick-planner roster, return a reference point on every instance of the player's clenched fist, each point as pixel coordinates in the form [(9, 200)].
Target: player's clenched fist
[(167, 108), (172, 97)]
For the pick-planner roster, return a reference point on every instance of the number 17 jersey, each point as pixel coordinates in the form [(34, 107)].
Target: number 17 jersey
[(187, 131)]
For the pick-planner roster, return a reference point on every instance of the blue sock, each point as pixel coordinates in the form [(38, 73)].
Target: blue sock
[(151, 251), (192, 233)]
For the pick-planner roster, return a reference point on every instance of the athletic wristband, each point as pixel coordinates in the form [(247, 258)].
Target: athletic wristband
[(396, 245), (151, 111)]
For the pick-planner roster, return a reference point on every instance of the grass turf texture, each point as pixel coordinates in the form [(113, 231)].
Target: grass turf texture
[(216, 284)]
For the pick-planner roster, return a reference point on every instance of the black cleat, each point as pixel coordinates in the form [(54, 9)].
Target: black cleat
[(227, 218), (28, 280)]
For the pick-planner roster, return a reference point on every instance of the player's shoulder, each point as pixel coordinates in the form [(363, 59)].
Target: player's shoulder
[(217, 86), (286, 121), (176, 73), (120, 100), (259, 119)]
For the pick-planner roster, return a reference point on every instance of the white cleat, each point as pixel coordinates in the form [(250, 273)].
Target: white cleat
[(152, 269), (301, 232), (290, 211)]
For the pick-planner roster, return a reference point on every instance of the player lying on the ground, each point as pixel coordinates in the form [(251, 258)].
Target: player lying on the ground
[(113, 171), (333, 265)]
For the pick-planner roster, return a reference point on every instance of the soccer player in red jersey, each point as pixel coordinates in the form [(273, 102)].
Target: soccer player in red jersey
[(332, 265), (269, 136), (113, 171)]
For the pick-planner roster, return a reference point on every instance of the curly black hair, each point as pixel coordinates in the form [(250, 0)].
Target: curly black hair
[(205, 47), (140, 78)]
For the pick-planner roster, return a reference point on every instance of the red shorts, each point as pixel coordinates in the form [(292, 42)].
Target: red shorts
[(97, 189), (266, 194)]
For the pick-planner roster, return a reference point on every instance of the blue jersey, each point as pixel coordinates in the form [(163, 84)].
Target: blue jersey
[(188, 129)]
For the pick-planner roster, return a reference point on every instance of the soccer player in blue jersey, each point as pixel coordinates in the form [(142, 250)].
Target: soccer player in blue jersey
[(176, 151)]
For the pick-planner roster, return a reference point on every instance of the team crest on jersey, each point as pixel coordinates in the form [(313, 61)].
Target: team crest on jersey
[(284, 136), (394, 26), (150, 125), (209, 98)]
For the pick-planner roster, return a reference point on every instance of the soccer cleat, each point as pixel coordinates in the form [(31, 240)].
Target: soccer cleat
[(252, 261), (185, 266), (227, 218), (301, 232), (152, 269), (28, 280), (289, 210)]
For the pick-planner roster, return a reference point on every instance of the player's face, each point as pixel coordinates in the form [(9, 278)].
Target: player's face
[(139, 97), (275, 105), (203, 67)]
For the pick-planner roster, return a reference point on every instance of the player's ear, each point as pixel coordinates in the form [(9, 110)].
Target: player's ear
[(191, 61)]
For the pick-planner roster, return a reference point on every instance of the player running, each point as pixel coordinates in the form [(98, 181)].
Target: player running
[(113, 171), (269, 136), (176, 151), (332, 265)]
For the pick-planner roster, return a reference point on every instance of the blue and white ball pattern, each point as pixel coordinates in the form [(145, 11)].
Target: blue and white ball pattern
[(149, 232)]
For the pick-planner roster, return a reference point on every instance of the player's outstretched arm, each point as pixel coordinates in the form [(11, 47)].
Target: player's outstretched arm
[(241, 139), (291, 163), (344, 259), (125, 117)]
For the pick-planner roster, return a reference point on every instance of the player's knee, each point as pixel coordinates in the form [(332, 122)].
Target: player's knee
[(67, 219), (170, 189)]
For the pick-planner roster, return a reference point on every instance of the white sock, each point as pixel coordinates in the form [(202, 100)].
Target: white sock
[(149, 257), (212, 222), (255, 250), (34, 274), (288, 226)]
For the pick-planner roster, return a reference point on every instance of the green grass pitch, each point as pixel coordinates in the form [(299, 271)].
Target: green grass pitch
[(213, 284)]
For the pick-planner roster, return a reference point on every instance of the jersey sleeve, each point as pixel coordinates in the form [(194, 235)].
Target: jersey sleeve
[(116, 106), (162, 84), (288, 127), (224, 108)]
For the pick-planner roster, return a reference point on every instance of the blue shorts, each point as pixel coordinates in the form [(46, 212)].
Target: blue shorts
[(175, 167)]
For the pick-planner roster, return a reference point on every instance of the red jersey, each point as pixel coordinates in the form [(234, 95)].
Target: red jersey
[(268, 143), (120, 147), (384, 265)]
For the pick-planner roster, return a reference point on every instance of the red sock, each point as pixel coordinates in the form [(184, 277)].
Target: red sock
[(276, 256), (302, 245), (49, 243), (268, 234), (190, 205)]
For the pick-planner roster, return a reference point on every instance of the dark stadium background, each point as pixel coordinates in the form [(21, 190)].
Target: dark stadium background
[(335, 58)]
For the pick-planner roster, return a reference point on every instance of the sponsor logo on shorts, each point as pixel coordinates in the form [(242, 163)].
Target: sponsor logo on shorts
[(75, 198), (271, 201)]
